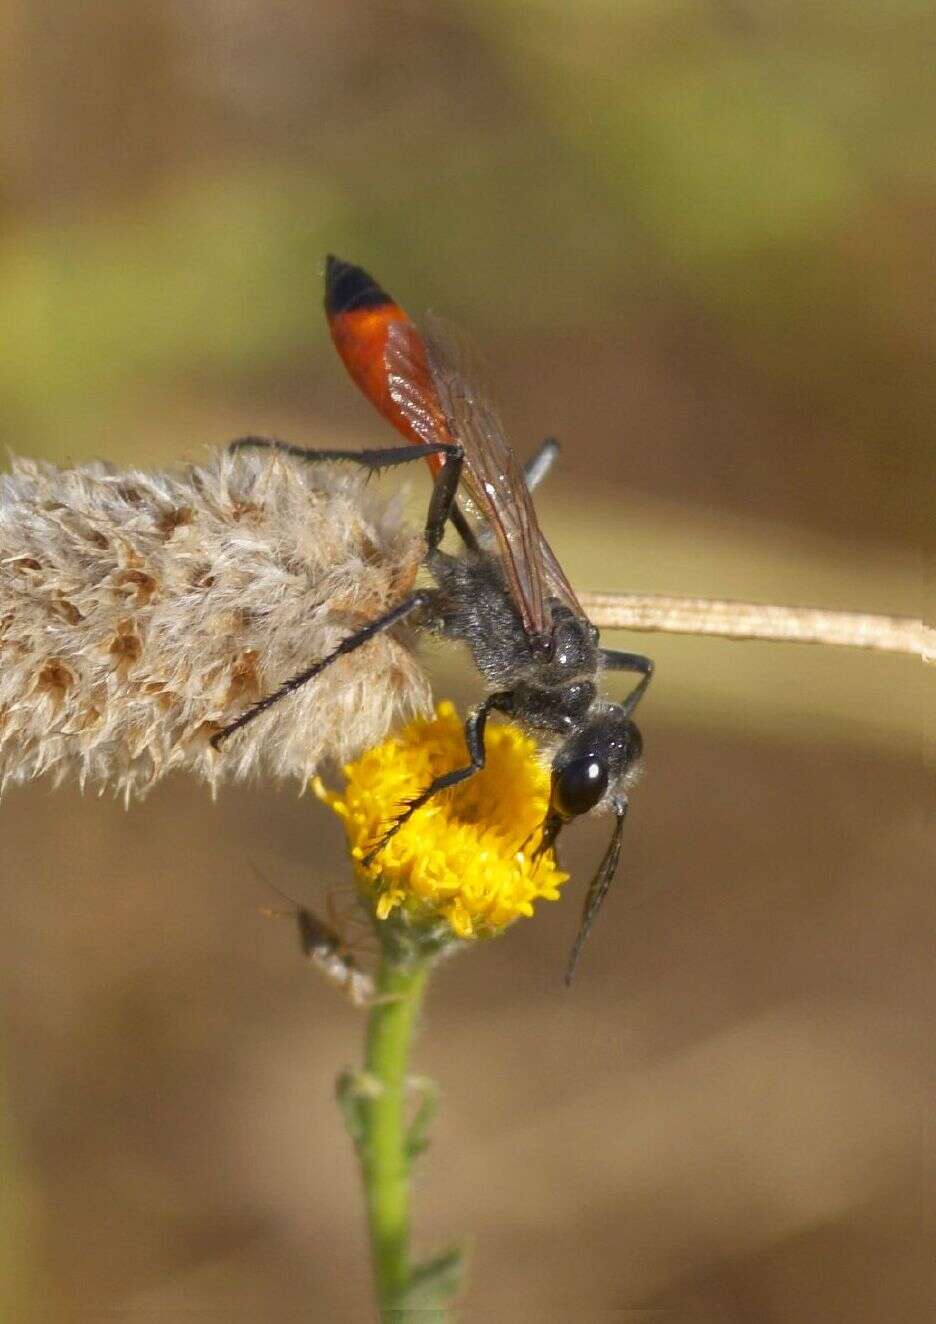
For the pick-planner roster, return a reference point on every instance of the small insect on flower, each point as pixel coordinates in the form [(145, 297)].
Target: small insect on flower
[(505, 596), (140, 614), (326, 945), (326, 949)]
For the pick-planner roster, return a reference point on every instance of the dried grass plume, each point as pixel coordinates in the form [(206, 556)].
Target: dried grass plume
[(140, 613)]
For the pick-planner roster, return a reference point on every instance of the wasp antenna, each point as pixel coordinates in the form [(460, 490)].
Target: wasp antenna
[(598, 890), (348, 288)]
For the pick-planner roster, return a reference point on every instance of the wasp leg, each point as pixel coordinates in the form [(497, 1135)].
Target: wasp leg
[(421, 598), (375, 460), (474, 738), (598, 888), (442, 501), (385, 457), (630, 662)]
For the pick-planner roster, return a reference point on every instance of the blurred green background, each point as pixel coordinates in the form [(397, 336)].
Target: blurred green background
[(695, 242)]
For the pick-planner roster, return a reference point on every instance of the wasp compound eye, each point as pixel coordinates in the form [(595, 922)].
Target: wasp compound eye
[(579, 786)]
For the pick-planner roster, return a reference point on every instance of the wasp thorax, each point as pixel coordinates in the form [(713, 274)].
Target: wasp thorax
[(572, 649)]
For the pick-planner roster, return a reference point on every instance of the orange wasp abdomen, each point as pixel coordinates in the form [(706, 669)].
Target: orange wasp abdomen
[(360, 315)]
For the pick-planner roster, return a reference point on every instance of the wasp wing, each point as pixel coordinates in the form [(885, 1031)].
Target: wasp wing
[(559, 586), (495, 478), (492, 474), (411, 386)]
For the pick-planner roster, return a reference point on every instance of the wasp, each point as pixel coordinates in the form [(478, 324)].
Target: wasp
[(504, 595)]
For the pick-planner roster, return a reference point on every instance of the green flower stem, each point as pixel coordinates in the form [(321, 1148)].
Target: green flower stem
[(383, 1145)]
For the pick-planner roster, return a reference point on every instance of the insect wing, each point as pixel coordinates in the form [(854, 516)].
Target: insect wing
[(436, 388), (491, 471), (495, 479), (411, 387), (559, 586)]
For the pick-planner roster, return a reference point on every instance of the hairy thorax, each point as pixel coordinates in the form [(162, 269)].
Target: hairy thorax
[(553, 686)]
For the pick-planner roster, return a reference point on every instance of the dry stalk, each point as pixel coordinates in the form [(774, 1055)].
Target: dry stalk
[(726, 619)]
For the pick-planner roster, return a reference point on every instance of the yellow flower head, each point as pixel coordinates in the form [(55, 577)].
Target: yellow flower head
[(465, 856)]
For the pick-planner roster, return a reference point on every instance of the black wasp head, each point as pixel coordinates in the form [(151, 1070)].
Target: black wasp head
[(597, 759), (594, 766)]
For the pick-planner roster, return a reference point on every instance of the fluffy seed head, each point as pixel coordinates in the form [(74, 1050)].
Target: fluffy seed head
[(140, 613)]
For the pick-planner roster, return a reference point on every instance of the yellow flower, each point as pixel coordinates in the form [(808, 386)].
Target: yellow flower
[(465, 856)]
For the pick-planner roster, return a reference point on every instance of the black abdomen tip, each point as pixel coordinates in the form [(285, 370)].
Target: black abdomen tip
[(348, 288)]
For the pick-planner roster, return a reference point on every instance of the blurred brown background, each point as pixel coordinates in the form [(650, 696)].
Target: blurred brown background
[(695, 240)]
